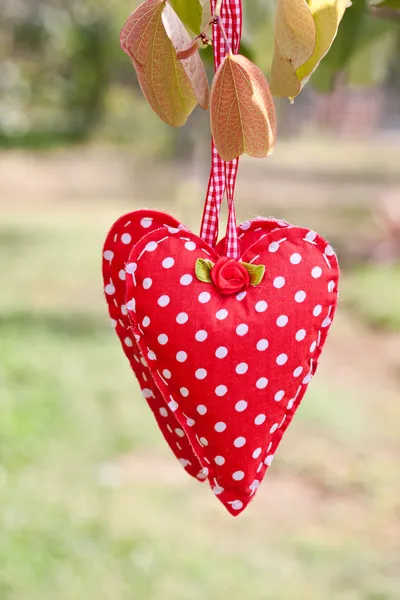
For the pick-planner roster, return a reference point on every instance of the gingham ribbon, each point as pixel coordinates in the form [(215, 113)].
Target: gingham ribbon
[(223, 175)]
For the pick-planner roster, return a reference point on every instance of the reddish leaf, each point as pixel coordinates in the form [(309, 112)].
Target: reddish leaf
[(151, 37), (243, 117)]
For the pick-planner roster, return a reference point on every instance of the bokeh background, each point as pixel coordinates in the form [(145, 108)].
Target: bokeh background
[(92, 503)]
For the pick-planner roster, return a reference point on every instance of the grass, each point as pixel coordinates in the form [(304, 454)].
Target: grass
[(92, 503), (374, 295)]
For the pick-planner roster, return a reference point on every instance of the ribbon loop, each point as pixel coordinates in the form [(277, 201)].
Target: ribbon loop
[(223, 175)]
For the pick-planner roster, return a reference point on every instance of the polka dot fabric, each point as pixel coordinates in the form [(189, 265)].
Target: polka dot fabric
[(116, 269), (229, 371)]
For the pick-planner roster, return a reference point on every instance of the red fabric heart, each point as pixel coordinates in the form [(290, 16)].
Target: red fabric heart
[(232, 369)]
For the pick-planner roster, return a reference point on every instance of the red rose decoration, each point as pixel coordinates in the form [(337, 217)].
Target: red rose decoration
[(229, 276)]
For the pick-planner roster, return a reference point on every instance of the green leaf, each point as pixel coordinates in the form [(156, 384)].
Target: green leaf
[(358, 31), (192, 13), (256, 273), (203, 269)]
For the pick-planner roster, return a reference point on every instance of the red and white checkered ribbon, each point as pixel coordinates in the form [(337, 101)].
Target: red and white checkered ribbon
[(223, 175)]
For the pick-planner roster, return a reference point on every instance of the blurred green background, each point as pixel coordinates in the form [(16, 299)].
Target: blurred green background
[(92, 503)]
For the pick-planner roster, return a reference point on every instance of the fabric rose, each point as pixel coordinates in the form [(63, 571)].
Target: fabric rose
[(229, 276)]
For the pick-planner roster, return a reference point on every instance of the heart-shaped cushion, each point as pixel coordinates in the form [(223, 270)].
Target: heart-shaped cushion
[(231, 368), (125, 232)]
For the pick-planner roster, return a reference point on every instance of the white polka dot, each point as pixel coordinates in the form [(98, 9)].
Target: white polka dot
[(151, 246), (241, 405), (326, 322), (126, 238), (317, 310), (113, 323), (331, 286), (313, 347), (273, 247), (182, 318), (316, 272), (173, 230), (151, 355), (146, 322), (204, 472), (311, 235), (167, 263), (257, 453), (124, 310), (262, 383), (237, 505), (109, 289), (260, 419), (245, 226), (297, 372), (190, 422), (184, 392), (147, 283), (242, 368), (163, 412), (181, 356), (239, 442), (186, 279), (307, 379), (219, 460), (179, 432), (131, 305), (146, 222), (162, 339), (282, 359), (128, 342), (242, 329), (108, 254), (147, 393), (295, 259), (204, 297), (238, 475), (222, 314), (329, 251), (173, 405), (290, 404), (300, 296), (221, 390), (201, 335), (221, 352), (201, 374), (190, 246), (255, 485), (274, 427), (122, 274), (220, 427), (262, 345), (201, 409), (279, 282), (279, 395), (167, 374), (269, 459), (300, 335), (282, 321), (163, 301), (261, 306), (203, 441), (131, 268), (241, 296)]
